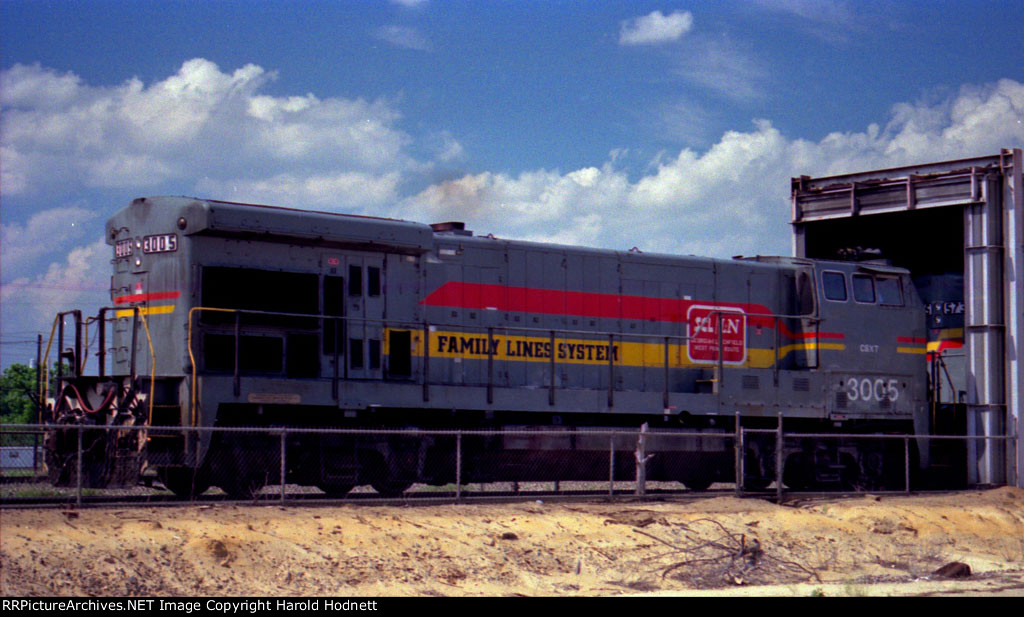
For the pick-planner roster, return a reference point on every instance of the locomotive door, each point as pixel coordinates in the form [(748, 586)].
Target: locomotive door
[(354, 290), (807, 326)]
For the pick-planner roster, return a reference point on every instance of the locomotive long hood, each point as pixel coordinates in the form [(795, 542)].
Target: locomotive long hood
[(224, 218)]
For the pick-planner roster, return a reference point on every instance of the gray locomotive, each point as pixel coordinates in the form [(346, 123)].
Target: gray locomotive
[(236, 315)]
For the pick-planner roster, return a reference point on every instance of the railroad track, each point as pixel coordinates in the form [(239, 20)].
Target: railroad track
[(296, 496), (300, 497)]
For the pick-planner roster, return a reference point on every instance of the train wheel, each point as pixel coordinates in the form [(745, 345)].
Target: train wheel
[(242, 488), (390, 488), (797, 473), (752, 483), (698, 482), (238, 479), (335, 490), (849, 474), (385, 474), (184, 482)]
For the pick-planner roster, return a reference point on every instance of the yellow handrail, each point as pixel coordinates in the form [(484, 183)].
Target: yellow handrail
[(44, 383), (152, 366), (192, 358)]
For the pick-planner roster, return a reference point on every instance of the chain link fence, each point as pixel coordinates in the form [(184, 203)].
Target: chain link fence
[(109, 464)]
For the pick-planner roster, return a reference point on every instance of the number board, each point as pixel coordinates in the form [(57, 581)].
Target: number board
[(123, 248), (161, 243)]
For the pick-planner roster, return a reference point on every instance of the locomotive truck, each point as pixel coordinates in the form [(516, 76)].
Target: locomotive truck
[(237, 315)]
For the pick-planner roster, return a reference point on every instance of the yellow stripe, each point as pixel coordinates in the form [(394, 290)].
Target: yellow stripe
[(473, 346), (919, 350), (147, 310), (809, 346)]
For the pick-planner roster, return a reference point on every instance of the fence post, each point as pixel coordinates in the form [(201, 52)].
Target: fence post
[(738, 447), (778, 460), (284, 435), (641, 461), (458, 466), (41, 403), (78, 476)]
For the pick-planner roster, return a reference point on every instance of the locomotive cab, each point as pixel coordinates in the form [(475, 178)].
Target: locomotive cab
[(873, 316), (871, 322)]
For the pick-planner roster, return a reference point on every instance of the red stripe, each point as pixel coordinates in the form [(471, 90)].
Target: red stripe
[(157, 295), (808, 335), (585, 304), (911, 339)]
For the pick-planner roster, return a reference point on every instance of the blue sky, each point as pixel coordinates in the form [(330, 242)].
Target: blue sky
[(671, 126)]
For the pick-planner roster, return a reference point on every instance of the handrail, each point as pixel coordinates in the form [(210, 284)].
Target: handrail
[(552, 333), (81, 358), (152, 364), (426, 328), (192, 358), (483, 328), (44, 384)]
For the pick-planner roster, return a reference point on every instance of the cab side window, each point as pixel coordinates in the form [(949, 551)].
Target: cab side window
[(889, 291), (864, 288), (834, 286)]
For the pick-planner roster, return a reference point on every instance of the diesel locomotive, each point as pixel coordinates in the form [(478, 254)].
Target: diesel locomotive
[(236, 315)]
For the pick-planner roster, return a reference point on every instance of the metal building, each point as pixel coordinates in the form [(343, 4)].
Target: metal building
[(958, 226)]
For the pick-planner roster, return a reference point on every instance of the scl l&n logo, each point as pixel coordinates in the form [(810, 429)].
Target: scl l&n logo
[(703, 323)]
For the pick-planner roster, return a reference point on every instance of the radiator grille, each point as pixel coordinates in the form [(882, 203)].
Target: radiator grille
[(841, 400)]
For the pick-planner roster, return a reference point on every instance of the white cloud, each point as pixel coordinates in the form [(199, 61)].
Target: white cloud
[(732, 198), (684, 121), (80, 281), (410, 3), (655, 28), (222, 134), (723, 67), (22, 246), (404, 36), (58, 133), (342, 192), (836, 12), (829, 20)]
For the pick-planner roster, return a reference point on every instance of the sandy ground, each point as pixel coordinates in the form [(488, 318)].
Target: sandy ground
[(864, 546)]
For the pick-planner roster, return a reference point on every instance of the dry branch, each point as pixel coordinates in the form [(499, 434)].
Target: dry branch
[(730, 556)]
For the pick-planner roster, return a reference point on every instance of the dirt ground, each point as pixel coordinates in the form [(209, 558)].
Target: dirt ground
[(870, 545)]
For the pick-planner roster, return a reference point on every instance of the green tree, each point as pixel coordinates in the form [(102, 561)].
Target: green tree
[(18, 395)]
